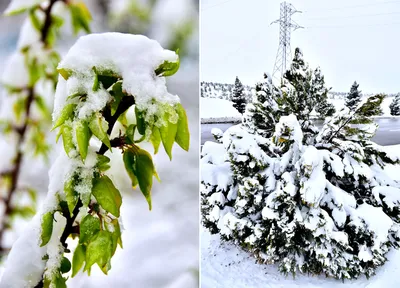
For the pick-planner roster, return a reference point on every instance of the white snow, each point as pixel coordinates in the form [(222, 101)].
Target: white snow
[(225, 265), (138, 74), (217, 175), (15, 73), (214, 110), (24, 266)]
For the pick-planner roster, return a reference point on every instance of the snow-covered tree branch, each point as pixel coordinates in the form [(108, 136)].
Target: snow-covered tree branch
[(121, 76), (30, 78)]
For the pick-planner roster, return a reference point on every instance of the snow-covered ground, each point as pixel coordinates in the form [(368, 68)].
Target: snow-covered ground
[(215, 110), (223, 264)]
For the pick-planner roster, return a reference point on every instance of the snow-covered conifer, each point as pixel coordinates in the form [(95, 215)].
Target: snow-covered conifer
[(325, 205), (395, 106), (354, 97), (238, 97), (263, 113), (299, 95), (320, 92)]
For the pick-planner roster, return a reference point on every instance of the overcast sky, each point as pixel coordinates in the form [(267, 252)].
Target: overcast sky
[(349, 39)]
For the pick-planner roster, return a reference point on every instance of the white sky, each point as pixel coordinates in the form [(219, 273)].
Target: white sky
[(238, 40)]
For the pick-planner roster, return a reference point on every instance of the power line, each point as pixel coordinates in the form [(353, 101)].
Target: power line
[(347, 26), (350, 7), (353, 16)]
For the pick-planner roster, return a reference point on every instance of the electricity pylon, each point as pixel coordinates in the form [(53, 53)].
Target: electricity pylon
[(286, 25)]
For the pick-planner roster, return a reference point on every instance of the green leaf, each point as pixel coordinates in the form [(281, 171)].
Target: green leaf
[(96, 83), (78, 259), (35, 20), (108, 78), (116, 235), (102, 162), (66, 113), (47, 228), (80, 17), (65, 73), (116, 92), (99, 251), (182, 135), (168, 134), (130, 132), (41, 104), (140, 123), (21, 9), (35, 71), (129, 162), (144, 172), (19, 107), (82, 137), (65, 266), (155, 138), (99, 126), (70, 195), (167, 68), (23, 211), (107, 195), (89, 227), (66, 132)]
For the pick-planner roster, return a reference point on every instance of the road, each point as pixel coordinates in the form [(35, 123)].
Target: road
[(388, 132)]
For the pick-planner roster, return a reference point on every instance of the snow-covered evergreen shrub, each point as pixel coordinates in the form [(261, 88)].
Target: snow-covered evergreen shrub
[(395, 105), (321, 205), (119, 81)]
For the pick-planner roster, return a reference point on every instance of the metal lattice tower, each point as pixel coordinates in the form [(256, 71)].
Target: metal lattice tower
[(286, 24)]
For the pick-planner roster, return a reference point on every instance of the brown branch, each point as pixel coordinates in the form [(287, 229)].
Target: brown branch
[(21, 131)]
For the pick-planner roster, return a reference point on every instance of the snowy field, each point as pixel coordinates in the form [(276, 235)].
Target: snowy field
[(221, 111), (213, 110), (223, 264)]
